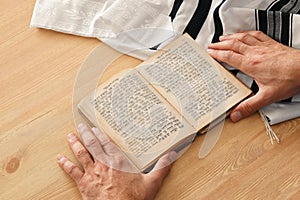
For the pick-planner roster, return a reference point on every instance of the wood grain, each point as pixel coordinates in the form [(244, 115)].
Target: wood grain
[(38, 72)]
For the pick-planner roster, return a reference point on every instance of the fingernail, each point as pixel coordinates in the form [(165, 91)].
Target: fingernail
[(172, 156), (71, 137), (236, 116), (224, 36), (80, 126), (209, 50), (59, 158)]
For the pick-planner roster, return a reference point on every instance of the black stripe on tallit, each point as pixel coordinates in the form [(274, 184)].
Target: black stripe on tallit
[(254, 87), (262, 21), (274, 25), (293, 7), (291, 28), (287, 100), (172, 14), (234, 71), (195, 24), (175, 8), (285, 31), (278, 5), (218, 23), (298, 11)]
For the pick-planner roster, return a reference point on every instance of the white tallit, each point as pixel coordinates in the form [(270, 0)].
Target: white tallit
[(139, 27)]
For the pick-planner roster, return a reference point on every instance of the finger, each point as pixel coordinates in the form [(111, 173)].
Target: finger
[(244, 37), (248, 107), (108, 146), (162, 168), (74, 172), (103, 139), (79, 151), (117, 159), (232, 45), (249, 37), (91, 142), (230, 57), (259, 35)]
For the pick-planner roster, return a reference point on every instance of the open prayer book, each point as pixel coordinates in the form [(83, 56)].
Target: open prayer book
[(161, 104)]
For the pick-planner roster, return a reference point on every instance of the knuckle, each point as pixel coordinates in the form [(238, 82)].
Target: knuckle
[(68, 166), (103, 140), (119, 160), (70, 169), (267, 97), (232, 42), (251, 62), (91, 142), (258, 33), (102, 165), (164, 163), (238, 46), (82, 153), (243, 36), (228, 55), (111, 148), (106, 141), (248, 109), (261, 51)]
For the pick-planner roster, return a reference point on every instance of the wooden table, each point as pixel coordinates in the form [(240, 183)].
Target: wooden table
[(38, 71)]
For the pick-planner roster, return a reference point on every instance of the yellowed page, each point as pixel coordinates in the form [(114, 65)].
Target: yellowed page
[(136, 117), (197, 86)]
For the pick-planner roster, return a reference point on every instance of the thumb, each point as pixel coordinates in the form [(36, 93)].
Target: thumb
[(248, 107), (162, 168)]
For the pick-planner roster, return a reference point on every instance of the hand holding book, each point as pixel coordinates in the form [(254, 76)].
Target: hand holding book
[(257, 55)]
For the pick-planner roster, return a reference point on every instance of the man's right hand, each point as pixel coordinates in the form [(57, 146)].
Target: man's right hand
[(274, 67)]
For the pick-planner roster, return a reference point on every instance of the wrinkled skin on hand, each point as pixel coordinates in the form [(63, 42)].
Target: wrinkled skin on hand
[(274, 67), (106, 173)]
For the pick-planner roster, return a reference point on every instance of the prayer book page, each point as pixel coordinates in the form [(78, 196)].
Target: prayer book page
[(136, 118), (197, 86)]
